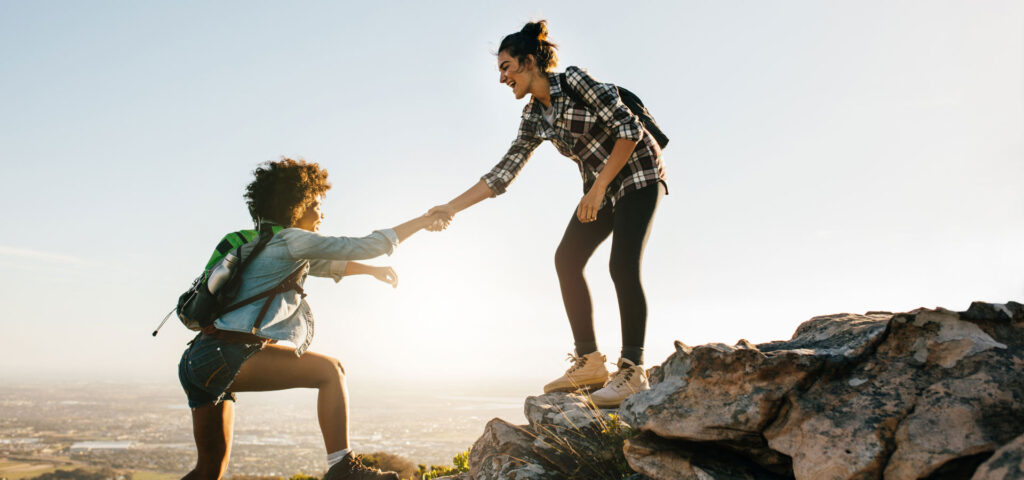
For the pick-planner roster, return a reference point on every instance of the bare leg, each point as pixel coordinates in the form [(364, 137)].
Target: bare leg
[(211, 426), (277, 368)]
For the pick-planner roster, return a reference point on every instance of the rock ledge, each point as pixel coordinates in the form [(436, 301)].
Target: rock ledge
[(927, 394)]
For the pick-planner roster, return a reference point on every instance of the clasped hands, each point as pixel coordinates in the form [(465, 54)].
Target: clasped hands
[(443, 215), (586, 211)]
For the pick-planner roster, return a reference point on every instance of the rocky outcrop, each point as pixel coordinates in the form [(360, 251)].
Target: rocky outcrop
[(1006, 464), (566, 438), (927, 394)]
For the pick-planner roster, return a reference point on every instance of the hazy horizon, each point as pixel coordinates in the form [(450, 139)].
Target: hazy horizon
[(147, 427)]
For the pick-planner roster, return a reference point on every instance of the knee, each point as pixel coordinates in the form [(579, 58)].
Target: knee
[(332, 371), (338, 367), (624, 271), (566, 261)]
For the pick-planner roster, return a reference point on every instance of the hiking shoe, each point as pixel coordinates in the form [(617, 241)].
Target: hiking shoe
[(586, 372), (350, 468), (628, 380)]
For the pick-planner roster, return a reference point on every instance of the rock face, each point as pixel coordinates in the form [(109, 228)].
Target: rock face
[(566, 438), (1006, 464), (927, 394)]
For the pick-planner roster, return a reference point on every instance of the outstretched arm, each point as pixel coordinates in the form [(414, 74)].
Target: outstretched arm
[(495, 181), (308, 245), (470, 197), (406, 229), (384, 274)]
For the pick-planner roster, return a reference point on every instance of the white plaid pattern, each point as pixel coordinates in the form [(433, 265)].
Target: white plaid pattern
[(586, 134)]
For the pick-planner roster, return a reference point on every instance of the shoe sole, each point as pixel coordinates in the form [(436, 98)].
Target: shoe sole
[(606, 405), (598, 404), (586, 387)]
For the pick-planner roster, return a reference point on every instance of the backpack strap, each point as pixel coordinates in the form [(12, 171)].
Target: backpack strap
[(632, 102), (291, 282), (573, 94), (243, 261)]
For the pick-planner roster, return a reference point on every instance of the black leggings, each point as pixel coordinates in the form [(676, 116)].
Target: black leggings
[(630, 224)]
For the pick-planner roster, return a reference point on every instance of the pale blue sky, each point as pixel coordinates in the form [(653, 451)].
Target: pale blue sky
[(825, 157)]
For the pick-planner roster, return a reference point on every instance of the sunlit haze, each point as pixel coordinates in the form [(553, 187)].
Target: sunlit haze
[(825, 157)]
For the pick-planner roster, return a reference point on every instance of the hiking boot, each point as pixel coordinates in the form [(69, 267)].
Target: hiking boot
[(350, 468), (586, 372), (628, 380)]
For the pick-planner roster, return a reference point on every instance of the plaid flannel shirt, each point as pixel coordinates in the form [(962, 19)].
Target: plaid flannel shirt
[(585, 134)]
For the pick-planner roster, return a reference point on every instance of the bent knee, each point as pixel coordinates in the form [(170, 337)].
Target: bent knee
[(331, 370), (624, 271), (338, 366), (568, 261)]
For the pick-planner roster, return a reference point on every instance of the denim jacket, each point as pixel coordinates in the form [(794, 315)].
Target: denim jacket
[(289, 317)]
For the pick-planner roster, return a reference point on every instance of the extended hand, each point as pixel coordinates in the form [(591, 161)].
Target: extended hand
[(587, 210), (386, 275), (443, 215)]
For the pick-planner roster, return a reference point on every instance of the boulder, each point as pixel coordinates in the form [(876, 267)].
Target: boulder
[(504, 452), (975, 408), (729, 395), (661, 459), (567, 437), (1007, 463), (927, 394), (938, 390), (561, 410)]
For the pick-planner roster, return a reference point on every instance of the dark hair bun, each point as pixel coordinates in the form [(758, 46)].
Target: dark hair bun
[(532, 39), (538, 30)]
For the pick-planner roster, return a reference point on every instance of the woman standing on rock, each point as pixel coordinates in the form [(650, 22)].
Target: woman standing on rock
[(623, 181)]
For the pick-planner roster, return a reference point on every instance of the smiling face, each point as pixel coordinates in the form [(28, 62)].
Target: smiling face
[(311, 217), (518, 75)]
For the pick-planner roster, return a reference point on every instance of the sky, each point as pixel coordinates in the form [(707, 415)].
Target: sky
[(825, 157)]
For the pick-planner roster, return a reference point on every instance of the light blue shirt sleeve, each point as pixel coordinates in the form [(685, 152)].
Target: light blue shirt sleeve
[(307, 245), (328, 268)]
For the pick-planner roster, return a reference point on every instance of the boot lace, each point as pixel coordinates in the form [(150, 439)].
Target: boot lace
[(356, 465), (578, 362), (620, 378)]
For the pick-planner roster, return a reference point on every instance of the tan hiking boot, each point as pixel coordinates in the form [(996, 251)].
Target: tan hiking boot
[(628, 380), (586, 372), (350, 468)]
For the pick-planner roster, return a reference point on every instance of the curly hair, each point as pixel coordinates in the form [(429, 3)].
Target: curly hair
[(281, 190)]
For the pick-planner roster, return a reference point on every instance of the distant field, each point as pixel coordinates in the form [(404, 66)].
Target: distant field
[(144, 475), (278, 434), (17, 470), (11, 469)]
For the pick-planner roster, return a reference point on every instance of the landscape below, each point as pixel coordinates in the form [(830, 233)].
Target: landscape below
[(926, 394)]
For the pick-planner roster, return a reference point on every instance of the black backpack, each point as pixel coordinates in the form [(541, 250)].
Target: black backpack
[(634, 104)]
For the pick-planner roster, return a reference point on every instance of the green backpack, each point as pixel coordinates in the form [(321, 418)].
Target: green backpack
[(213, 291)]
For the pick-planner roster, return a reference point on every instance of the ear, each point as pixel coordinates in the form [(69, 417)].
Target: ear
[(530, 62)]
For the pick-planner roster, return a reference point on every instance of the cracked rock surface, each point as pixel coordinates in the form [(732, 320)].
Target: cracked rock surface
[(927, 394)]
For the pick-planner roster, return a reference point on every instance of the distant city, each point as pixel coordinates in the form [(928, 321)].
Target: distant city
[(148, 428)]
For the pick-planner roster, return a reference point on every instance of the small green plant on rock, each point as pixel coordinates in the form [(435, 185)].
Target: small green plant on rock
[(389, 462), (460, 464), (592, 451)]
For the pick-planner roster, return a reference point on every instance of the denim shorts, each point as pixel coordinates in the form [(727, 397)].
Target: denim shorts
[(208, 367)]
